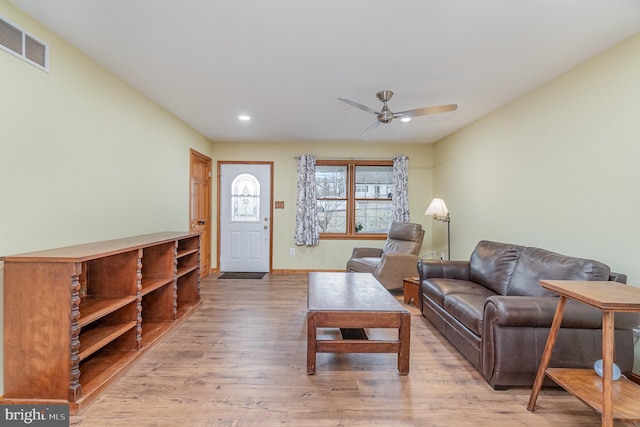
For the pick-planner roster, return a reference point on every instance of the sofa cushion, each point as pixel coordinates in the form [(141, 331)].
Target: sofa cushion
[(436, 289), (467, 309), (537, 264), (492, 264)]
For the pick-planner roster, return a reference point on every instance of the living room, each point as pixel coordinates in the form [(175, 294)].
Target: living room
[(85, 157)]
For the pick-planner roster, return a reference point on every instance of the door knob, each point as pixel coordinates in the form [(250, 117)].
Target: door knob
[(266, 226)]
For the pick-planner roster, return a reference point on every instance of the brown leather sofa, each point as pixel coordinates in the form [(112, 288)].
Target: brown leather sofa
[(494, 311), (393, 262)]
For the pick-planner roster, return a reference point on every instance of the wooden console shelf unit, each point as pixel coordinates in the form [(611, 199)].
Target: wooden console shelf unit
[(612, 399), (76, 317)]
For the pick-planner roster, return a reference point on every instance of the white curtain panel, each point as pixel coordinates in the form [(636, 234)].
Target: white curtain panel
[(400, 199), (307, 230)]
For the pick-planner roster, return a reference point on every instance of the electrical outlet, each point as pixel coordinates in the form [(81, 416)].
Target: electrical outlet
[(441, 256), (292, 251)]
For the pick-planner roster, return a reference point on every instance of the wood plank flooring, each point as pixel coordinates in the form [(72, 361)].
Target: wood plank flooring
[(240, 360)]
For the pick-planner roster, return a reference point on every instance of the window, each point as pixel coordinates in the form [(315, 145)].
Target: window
[(245, 199), (354, 198)]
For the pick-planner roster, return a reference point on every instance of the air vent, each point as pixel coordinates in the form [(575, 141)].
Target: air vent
[(23, 45)]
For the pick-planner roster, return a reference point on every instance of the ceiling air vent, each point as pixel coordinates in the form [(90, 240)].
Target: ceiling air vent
[(23, 45)]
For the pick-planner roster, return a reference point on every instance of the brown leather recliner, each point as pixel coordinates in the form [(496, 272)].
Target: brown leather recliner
[(396, 260), (494, 311)]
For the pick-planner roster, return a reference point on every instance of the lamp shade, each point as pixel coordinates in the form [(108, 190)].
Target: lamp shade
[(437, 207)]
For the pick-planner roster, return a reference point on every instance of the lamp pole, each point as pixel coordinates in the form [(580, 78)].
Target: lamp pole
[(438, 208), (448, 237)]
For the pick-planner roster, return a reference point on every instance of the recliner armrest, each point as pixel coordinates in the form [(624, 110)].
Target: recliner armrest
[(393, 268), (362, 252), (618, 277), (443, 269)]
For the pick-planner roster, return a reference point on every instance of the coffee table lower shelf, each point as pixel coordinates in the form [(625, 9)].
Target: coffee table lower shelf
[(397, 320), (587, 386)]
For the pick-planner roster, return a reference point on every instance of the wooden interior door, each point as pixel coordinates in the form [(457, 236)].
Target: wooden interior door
[(200, 206)]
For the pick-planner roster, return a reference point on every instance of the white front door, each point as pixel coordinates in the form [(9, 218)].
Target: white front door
[(245, 217)]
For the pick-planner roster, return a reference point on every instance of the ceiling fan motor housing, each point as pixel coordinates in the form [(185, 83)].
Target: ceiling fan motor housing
[(384, 95), (385, 115)]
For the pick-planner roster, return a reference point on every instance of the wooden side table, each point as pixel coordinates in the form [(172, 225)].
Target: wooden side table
[(410, 285), (613, 400)]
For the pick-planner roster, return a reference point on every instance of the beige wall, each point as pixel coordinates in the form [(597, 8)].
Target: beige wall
[(558, 168), (83, 156), (329, 254)]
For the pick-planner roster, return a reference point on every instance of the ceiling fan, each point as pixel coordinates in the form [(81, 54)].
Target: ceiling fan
[(386, 116)]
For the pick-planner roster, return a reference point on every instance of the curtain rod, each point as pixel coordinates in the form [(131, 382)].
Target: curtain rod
[(350, 158)]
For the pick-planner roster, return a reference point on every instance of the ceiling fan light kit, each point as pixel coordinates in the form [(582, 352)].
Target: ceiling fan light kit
[(385, 115)]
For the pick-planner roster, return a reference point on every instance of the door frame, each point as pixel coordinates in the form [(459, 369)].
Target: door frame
[(205, 241), (242, 162)]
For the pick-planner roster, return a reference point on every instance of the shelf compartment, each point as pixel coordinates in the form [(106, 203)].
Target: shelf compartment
[(186, 270), (153, 330), (586, 385), (187, 263), (151, 285), (96, 338), (100, 369), (188, 289), (159, 305), (158, 266), (188, 246), (186, 252), (114, 275), (186, 307), (94, 308)]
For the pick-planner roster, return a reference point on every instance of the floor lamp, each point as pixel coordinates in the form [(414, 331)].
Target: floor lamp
[(438, 209)]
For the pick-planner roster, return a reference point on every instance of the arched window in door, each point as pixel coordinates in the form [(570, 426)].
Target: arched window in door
[(245, 198)]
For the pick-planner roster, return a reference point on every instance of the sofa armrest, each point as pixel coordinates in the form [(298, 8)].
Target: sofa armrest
[(395, 267), (524, 311), (443, 269), (361, 252)]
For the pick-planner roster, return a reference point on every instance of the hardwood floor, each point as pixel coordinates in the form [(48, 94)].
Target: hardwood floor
[(240, 360)]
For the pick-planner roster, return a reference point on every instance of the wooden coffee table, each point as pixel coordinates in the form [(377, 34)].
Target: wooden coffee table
[(354, 301)]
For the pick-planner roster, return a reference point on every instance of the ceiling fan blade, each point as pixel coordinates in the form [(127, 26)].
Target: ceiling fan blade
[(370, 128), (358, 105), (425, 111)]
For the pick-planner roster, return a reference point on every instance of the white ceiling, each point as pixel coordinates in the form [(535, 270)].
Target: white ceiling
[(285, 62)]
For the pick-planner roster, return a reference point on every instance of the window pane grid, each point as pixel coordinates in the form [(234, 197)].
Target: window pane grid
[(331, 192), (245, 199), (373, 216), (374, 182), (354, 199)]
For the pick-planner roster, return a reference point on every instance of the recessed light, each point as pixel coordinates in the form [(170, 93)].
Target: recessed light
[(244, 117), (405, 119)]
